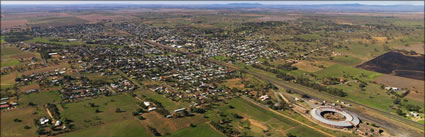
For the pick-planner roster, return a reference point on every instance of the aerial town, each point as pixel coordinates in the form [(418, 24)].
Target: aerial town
[(236, 69)]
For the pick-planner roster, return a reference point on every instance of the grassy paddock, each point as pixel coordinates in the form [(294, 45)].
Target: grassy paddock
[(203, 130), (338, 70), (84, 116), (124, 128)]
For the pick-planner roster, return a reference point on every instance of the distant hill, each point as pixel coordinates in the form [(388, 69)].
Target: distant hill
[(323, 7)]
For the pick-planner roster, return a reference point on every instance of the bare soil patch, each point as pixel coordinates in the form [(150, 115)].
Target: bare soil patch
[(29, 87), (236, 82), (258, 124), (7, 24), (342, 21), (418, 48)]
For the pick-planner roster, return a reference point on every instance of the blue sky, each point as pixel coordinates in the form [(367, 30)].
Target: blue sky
[(219, 2)]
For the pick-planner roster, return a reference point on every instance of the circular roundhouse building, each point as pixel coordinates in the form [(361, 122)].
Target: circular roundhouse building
[(333, 117)]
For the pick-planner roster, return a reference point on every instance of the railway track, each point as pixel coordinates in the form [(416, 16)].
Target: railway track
[(394, 126)]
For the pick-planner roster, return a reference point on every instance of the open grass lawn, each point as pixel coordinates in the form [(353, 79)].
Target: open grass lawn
[(84, 116), (338, 70), (347, 60), (312, 66), (10, 51), (201, 130), (364, 52), (48, 41), (9, 62), (123, 128), (40, 98), (2, 39), (373, 95), (98, 77), (221, 58), (7, 81), (166, 102), (167, 126), (16, 129), (258, 119), (10, 55), (55, 21), (421, 121)]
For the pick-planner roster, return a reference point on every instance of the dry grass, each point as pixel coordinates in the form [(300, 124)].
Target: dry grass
[(416, 86), (46, 69), (170, 125), (28, 87), (93, 18), (236, 82), (418, 48), (7, 24), (258, 124), (275, 18), (312, 66), (403, 15)]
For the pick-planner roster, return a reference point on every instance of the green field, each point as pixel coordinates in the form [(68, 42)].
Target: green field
[(2, 39), (16, 129), (338, 70), (201, 130), (361, 51), (166, 102), (41, 98), (346, 60), (275, 123), (9, 62), (122, 128), (421, 121), (84, 116), (48, 41), (10, 51), (55, 21), (220, 58)]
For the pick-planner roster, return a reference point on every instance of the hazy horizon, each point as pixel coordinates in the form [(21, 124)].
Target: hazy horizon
[(416, 3)]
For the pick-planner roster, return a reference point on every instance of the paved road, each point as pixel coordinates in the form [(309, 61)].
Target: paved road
[(288, 117), (395, 125)]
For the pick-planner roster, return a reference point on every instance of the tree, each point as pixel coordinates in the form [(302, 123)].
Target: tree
[(97, 110), (118, 110), (27, 127), (17, 120), (290, 135), (31, 104), (141, 117), (400, 112), (397, 101)]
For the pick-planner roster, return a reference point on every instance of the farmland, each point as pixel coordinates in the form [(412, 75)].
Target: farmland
[(232, 70), (203, 129), (338, 70), (54, 21)]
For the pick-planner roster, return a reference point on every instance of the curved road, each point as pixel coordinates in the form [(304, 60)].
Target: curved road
[(382, 120)]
